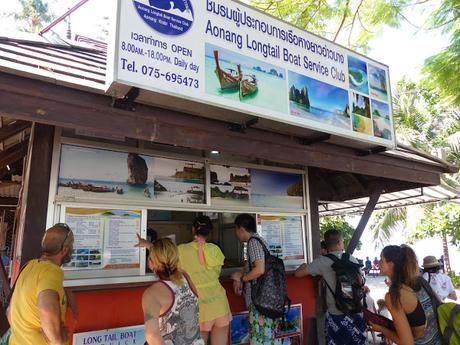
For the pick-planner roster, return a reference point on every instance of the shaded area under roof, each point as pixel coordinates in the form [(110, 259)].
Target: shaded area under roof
[(422, 195)]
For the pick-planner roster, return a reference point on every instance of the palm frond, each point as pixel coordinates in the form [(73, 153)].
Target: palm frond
[(386, 223)]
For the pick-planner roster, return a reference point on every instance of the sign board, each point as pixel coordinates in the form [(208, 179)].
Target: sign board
[(225, 54), (284, 236), (116, 336), (104, 239)]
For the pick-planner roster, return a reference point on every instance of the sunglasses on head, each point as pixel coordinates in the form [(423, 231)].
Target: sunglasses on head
[(64, 226)]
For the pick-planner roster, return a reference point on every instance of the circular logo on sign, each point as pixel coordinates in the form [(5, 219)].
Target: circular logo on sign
[(169, 17)]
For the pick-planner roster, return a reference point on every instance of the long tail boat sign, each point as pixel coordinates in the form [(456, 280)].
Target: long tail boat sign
[(225, 54)]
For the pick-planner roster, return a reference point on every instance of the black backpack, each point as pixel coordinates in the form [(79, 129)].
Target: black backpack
[(269, 291), (349, 288)]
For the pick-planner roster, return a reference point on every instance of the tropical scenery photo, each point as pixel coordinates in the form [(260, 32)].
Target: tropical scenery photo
[(361, 113), (244, 79), (318, 101), (357, 74), (378, 83), (381, 119)]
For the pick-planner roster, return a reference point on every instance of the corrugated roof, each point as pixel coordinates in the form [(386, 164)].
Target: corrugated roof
[(73, 66), (409, 197)]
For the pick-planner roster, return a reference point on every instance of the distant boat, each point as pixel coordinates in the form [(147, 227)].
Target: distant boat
[(228, 81), (247, 86), (195, 190)]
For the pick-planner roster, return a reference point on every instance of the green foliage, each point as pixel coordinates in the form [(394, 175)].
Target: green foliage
[(385, 223), (34, 15), (443, 68), (440, 219), (350, 22), (455, 279), (337, 223)]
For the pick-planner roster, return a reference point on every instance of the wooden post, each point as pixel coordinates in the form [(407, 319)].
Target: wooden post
[(373, 199), (35, 193), (314, 212)]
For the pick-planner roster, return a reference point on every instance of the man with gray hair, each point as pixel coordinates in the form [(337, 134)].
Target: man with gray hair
[(38, 304)]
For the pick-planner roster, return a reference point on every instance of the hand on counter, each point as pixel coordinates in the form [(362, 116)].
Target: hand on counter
[(142, 243)]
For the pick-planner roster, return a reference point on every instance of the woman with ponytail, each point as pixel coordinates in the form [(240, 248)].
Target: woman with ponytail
[(409, 304), (170, 305), (203, 262)]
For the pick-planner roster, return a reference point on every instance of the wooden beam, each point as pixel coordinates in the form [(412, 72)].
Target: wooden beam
[(43, 102), (374, 198), (313, 208), (36, 188), (13, 129)]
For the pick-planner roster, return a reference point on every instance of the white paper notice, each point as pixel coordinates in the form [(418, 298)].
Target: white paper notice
[(284, 236), (104, 239), (120, 240)]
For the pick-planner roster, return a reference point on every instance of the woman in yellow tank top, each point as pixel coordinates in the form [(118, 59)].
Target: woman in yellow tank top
[(203, 262)]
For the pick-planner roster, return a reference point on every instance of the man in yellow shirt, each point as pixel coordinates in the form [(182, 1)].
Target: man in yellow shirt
[(37, 309)]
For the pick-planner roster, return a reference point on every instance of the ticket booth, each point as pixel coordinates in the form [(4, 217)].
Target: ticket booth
[(196, 114)]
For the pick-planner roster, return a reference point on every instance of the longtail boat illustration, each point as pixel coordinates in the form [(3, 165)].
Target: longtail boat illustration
[(247, 86), (228, 81)]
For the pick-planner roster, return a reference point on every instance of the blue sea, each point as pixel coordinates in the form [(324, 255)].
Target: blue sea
[(177, 190), (320, 115)]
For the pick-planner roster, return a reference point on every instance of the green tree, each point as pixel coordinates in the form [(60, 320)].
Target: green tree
[(443, 68), (337, 223), (352, 23), (443, 219), (33, 16), (424, 122)]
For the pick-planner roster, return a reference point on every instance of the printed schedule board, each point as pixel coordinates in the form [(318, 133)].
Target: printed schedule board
[(105, 239), (226, 54)]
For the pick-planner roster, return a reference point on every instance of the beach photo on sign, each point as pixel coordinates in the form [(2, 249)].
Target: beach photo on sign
[(361, 113), (318, 101), (378, 83), (276, 189), (381, 119), (178, 181), (292, 323), (87, 173), (357, 75), (239, 329), (240, 78), (230, 186)]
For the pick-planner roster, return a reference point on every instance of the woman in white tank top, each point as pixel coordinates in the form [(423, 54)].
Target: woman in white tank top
[(170, 305)]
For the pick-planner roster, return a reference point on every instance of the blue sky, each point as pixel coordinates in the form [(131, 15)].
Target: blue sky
[(322, 95), (270, 182)]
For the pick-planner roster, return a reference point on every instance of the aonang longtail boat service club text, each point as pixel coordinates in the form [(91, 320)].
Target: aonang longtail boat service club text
[(225, 54)]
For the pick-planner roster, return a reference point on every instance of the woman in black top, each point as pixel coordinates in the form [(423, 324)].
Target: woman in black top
[(410, 305)]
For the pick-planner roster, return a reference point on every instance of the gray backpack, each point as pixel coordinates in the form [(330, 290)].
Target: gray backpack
[(269, 291)]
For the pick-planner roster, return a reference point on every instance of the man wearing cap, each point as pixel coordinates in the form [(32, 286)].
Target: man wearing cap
[(38, 304), (439, 282)]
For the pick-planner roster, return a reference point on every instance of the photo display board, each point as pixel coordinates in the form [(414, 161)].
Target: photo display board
[(105, 239), (244, 187), (288, 332), (284, 235), (226, 54), (89, 173)]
